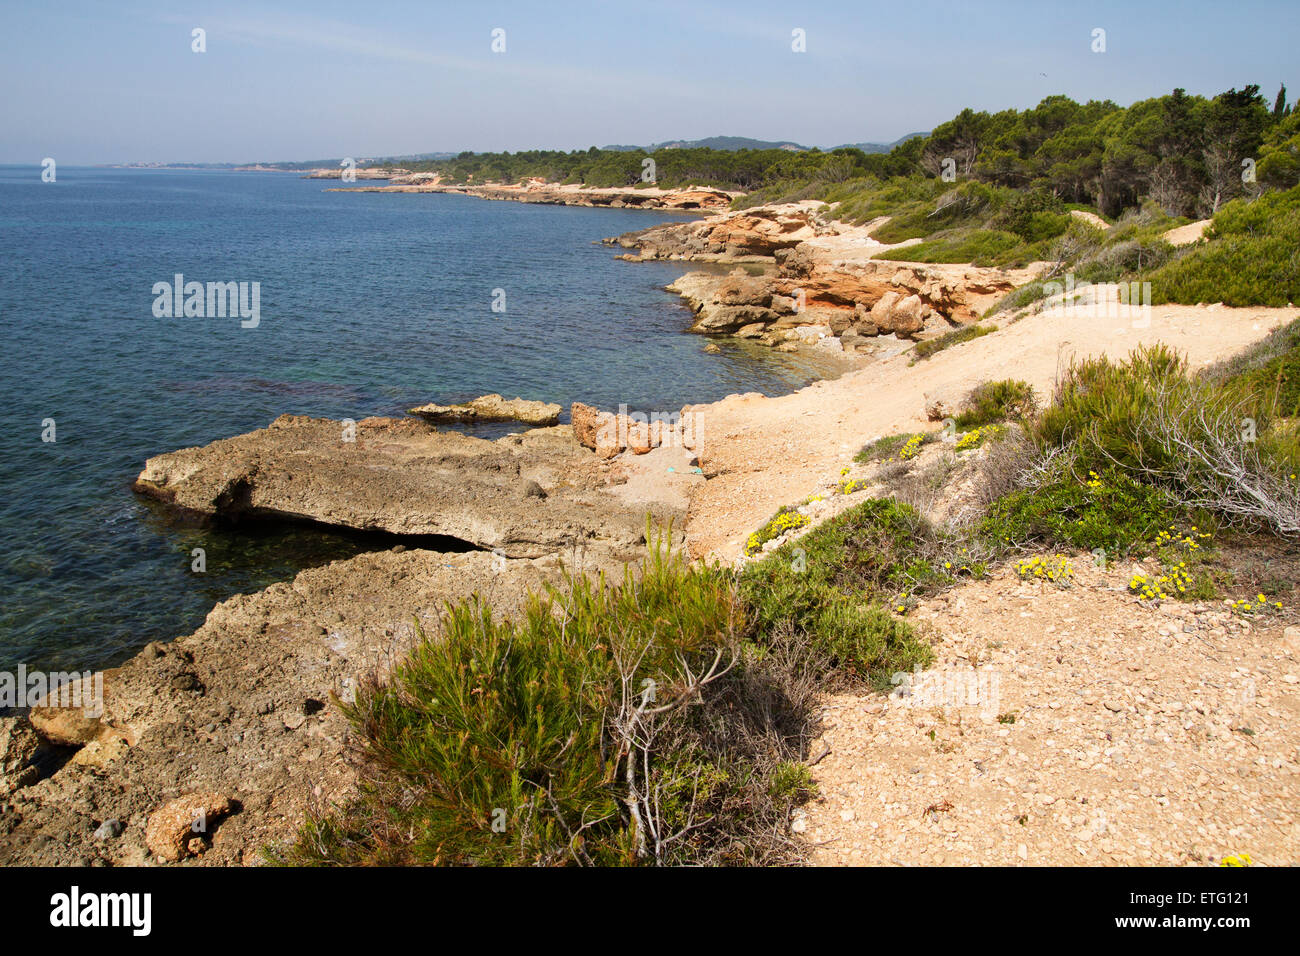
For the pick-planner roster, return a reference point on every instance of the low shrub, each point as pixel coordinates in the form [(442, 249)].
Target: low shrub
[(993, 402), (1108, 511), (927, 347), (610, 724), (824, 585)]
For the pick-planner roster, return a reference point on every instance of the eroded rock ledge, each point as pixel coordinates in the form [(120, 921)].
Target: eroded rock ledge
[(524, 495)]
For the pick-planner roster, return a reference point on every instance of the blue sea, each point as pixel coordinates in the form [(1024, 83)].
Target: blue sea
[(369, 303)]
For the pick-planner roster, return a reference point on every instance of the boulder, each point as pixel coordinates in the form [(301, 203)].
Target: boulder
[(176, 829)]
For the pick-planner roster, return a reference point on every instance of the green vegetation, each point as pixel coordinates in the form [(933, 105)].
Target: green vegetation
[(833, 587), (993, 402), (904, 447), (643, 722), (1252, 257), (1269, 369), (997, 189), (1110, 511)]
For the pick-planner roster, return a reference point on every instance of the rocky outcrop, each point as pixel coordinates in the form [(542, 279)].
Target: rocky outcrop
[(248, 708), (607, 433), (404, 477), (818, 275), (491, 408), (693, 198), (750, 234), (243, 718)]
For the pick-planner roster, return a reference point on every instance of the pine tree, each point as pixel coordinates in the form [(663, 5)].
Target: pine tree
[(1279, 104)]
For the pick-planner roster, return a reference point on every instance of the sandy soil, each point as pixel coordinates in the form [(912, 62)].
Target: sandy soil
[(760, 453), (1185, 235), (1097, 732)]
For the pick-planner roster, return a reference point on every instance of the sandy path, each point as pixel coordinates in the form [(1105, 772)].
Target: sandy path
[(1128, 736), (760, 453)]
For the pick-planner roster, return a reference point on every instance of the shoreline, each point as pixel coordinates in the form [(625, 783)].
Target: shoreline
[(246, 707)]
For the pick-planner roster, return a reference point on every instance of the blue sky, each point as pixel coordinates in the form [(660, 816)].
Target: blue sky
[(89, 82)]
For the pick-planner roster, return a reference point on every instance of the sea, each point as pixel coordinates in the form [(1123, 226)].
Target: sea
[(366, 304)]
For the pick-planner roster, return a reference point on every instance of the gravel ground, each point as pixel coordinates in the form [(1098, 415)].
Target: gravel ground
[(1069, 727)]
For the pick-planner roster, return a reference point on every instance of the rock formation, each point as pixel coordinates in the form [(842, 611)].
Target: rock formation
[(819, 275), (491, 408), (524, 495)]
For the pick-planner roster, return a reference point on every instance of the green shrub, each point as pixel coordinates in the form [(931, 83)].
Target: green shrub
[(832, 583), (993, 402), (1099, 403), (1252, 257), (1210, 444), (903, 446), (1109, 510), (981, 247), (1269, 370), (530, 741), (926, 348)]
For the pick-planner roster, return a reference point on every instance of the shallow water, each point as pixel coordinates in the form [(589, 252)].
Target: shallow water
[(369, 303)]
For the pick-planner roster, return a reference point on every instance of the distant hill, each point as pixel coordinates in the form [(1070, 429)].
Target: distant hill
[(714, 142), (744, 142), (881, 147)]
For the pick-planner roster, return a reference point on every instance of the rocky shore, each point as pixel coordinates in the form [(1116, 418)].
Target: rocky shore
[(691, 198), (242, 720), (806, 280)]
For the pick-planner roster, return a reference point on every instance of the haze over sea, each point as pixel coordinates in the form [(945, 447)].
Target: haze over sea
[(370, 303)]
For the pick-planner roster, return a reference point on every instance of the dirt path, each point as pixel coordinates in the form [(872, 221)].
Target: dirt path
[(1140, 737), (760, 453)]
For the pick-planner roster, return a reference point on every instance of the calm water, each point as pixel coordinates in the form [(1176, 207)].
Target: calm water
[(370, 303)]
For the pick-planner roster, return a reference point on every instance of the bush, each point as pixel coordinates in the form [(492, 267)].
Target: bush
[(1211, 445), (1269, 370), (1109, 510), (1098, 405), (1252, 257), (924, 349), (565, 737), (824, 586), (981, 247), (993, 402)]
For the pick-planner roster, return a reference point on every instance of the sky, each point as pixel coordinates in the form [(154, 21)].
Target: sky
[(111, 82)]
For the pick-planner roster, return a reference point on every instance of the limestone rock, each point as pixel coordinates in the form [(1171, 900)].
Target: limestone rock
[(173, 827), (399, 476), (18, 743), (491, 408)]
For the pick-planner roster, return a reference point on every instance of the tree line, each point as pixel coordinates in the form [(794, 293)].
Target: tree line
[(1189, 154)]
